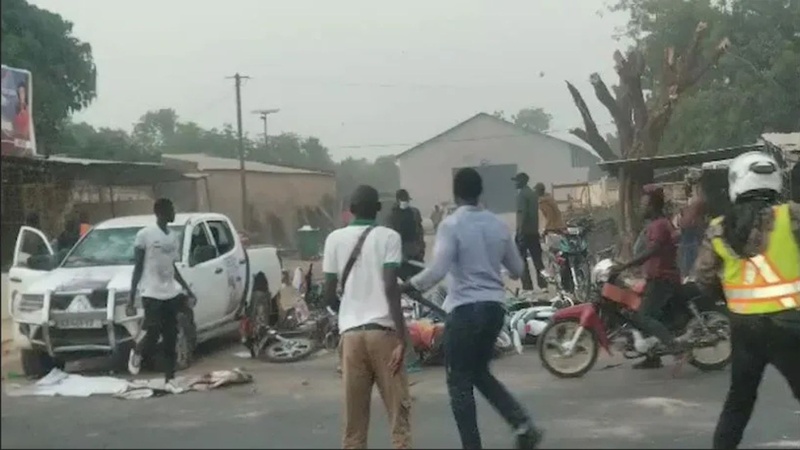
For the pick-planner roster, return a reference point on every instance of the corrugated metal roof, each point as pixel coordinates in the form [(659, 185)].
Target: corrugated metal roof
[(788, 142), (206, 162)]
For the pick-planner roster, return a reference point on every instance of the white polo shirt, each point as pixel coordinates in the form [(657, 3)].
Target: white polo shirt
[(160, 254), (364, 298)]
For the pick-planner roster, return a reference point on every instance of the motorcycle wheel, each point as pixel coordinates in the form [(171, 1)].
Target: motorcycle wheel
[(293, 349), (556, 335), (719, 356), (331, 341)]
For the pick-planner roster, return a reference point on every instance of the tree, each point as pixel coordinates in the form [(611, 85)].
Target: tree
[(642, 120), (532, 119), (64, 74), (755, 90)]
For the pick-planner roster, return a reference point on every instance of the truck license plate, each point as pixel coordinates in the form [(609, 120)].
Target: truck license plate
[(79, 323)]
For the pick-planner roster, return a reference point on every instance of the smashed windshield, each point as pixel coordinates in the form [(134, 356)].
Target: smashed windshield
[(110, 247)]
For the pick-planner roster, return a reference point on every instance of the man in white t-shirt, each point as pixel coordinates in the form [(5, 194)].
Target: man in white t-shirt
[(370, 319), (161, 287)]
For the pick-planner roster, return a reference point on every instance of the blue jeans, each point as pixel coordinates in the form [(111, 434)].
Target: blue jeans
[(470, 334), (690, 241)]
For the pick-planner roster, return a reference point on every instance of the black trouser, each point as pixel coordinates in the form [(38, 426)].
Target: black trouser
[(161, 320), (756, 341), (470, 334), (530, 243), (657, 294)]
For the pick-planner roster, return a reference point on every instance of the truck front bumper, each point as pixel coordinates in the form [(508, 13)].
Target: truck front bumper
[(62, 331)]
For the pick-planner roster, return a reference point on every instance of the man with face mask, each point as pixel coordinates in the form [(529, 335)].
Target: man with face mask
[(407, 221)]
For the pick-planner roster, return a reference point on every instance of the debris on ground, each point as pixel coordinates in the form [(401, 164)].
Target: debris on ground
[(60, 383)]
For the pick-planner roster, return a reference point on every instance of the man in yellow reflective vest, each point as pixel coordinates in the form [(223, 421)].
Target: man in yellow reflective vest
[(753, 252)]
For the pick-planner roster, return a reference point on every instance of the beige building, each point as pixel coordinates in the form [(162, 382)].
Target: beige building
[(281, 199), (498, 149)]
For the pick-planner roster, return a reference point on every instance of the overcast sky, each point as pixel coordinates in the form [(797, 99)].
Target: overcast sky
[(368, 77)]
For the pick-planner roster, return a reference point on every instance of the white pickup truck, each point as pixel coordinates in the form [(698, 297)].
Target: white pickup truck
[(73, 307)]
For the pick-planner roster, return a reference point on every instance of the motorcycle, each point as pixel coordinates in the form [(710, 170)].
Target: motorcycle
[(280, 340), (426, 328), (572, 260), (570, 344), (529, 318)]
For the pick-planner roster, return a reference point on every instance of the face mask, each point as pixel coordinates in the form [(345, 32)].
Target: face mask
[(403, 205)]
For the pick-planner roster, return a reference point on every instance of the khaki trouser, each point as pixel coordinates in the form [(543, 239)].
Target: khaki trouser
[(365, 362)]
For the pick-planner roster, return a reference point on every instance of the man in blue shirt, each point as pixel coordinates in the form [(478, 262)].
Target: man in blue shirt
[(471, 246)]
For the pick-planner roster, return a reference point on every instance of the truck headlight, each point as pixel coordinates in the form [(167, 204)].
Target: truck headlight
[(30, 302)]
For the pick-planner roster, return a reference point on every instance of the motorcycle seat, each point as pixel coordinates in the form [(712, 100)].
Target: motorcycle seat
[(626, 296)]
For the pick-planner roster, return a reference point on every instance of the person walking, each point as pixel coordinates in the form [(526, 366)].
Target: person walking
[(163, 290), (361, 261), (753, 251), (407, 221), (471, 246), (527, 235)]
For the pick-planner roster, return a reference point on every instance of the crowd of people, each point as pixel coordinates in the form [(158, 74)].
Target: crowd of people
[(752, 253)]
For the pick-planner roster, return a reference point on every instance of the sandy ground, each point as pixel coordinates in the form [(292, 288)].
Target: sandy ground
[(298, 406)]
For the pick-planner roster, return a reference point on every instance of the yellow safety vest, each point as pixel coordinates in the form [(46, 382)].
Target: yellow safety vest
[(766, 283)]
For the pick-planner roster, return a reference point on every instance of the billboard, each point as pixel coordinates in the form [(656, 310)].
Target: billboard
[(18, 137)]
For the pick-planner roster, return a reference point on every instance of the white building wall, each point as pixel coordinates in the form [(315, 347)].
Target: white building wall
[(427, 171)]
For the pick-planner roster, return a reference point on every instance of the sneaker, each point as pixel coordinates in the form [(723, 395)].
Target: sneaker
[(529, 438), (134, 362)]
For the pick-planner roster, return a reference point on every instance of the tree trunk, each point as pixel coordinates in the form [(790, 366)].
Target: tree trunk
[(631, 188)]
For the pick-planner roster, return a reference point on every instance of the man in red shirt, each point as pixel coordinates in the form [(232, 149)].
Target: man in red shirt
[(660, 267)]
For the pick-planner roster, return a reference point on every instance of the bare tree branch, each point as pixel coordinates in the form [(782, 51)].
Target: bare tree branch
[(590, 133)]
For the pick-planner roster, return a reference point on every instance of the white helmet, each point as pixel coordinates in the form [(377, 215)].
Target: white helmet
[(753, 171)]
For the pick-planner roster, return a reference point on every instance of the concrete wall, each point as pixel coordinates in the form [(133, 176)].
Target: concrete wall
[(427, 171), (269, 194)]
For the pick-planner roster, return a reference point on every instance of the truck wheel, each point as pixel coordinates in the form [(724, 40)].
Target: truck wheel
[(37, 363), (187, 340)]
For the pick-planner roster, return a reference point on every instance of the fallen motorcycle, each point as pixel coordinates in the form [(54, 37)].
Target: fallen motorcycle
[(570, 344), (290, 339), (427, 327)]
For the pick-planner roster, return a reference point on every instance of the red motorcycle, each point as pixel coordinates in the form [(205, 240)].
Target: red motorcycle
[(571, 342)]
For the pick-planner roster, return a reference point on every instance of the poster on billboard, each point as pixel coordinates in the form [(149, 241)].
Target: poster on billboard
[(19, 138)]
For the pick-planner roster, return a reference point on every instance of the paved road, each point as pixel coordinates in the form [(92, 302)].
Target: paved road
[(298, 405)]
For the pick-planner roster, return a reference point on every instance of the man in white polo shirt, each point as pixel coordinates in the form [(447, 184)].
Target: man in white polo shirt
[(365, 257), (161, 287)]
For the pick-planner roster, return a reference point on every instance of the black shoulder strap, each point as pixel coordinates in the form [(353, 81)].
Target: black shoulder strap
[(354, 256)]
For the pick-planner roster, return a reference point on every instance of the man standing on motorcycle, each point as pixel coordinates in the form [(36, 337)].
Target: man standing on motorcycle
[(754, 253), (660, 266), (471, 246)]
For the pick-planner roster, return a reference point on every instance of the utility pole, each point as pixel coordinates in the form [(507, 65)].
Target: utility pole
[(242, 172), (263, 113)]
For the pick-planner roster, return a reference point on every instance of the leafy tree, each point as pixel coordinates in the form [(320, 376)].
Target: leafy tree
[(641, 115), (532, 119), (755, 89), (64, 74)]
